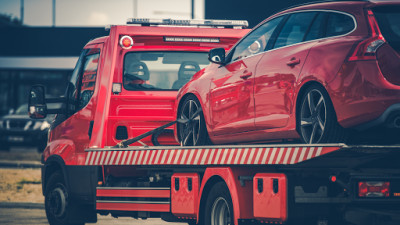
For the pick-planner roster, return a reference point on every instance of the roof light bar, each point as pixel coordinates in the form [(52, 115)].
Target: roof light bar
[(191, 39), (210, 23)]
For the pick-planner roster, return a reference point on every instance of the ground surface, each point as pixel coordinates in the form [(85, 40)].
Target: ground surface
[(35, 216), (20, 185)]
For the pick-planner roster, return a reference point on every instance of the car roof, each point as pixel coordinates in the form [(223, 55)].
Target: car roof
[(336, 5)]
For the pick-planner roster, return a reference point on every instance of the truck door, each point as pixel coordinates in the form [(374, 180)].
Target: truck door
[(74, 126)]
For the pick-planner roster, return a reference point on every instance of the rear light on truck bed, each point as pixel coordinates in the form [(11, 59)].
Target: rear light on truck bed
[(373, 189)]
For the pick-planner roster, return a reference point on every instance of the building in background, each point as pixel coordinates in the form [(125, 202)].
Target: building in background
[(38, 55)]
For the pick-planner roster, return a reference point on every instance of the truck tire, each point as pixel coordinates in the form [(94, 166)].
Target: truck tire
[(218, 208), (57, 201)]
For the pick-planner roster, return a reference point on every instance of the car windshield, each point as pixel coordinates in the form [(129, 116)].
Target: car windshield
[(389, 22), (161, 70), (22, 110)]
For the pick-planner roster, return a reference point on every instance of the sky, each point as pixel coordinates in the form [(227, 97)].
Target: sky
[(98, 12)]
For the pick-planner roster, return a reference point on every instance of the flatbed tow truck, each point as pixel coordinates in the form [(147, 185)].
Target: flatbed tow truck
[(297, 184), (86, 172)]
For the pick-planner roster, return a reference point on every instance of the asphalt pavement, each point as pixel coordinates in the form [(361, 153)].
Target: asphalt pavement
[(34, 214)]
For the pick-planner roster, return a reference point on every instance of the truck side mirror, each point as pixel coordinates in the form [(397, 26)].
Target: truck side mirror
[(37, 108), (217, 55)]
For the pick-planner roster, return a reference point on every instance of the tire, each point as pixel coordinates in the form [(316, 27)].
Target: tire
[(57, 202), (316, 118), (218, 208), (191, 129)]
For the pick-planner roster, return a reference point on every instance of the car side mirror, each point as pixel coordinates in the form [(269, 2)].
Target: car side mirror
[(37, 108), (217, 55)]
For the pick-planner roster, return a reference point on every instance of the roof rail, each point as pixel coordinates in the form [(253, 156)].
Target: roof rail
[(238, 24)]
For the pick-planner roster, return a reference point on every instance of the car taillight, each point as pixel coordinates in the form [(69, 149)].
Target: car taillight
[(373, 189), (366, 49)]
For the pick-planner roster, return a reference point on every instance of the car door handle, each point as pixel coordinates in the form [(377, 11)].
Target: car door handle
[(293, 61), (246, 74)]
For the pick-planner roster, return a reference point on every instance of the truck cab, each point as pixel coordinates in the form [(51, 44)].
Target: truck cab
[(123, 85)]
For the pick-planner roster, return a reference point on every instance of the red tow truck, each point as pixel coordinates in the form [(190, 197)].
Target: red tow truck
[(92, 163), (123, 85)]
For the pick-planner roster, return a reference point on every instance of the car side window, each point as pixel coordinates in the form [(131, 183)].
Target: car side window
[(256, 41), (294, 29), (317, 29), (339, 24)]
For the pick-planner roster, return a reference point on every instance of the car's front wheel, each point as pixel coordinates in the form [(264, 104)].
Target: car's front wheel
[(191, 128), (316, 119)]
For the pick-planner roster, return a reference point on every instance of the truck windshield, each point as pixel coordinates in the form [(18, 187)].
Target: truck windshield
[(161, 70)]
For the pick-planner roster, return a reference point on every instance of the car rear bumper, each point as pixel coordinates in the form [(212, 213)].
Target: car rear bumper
[(390, 118)]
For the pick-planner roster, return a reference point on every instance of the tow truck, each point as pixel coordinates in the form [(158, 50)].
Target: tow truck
[(93, 166), (123, 85)]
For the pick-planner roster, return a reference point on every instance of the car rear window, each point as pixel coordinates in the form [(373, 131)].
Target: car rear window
[(161, 70), (388, 18)]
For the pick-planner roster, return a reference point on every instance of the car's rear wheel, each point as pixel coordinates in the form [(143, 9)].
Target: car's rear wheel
[(191, 127), (316, 119)]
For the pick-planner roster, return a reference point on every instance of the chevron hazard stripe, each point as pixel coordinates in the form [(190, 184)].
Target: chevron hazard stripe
[(246, 155)]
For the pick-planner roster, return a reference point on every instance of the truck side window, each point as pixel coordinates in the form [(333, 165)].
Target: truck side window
[(88, 79), (83, 80)]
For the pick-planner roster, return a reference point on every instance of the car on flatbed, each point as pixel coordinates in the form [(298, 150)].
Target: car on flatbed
[(313, 73)]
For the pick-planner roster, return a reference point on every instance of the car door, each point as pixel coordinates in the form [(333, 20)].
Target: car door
[(278, 70), (231, 90)]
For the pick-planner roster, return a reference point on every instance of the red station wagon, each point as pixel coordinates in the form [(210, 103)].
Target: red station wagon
[(309, 72)]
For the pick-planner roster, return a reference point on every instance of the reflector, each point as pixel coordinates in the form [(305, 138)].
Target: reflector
[(117, 88), (374, 189)]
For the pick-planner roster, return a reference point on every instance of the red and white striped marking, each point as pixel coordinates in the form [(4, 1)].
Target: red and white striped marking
[(207, 156)]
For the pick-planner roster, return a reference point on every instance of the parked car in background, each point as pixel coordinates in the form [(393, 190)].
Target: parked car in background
[(309, 72), (17, 129)]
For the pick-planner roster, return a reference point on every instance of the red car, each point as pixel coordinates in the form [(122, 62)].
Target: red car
[(309, 72)]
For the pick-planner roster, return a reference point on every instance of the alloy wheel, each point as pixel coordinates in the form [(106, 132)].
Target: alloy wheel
[(313, 116), (190, 123)]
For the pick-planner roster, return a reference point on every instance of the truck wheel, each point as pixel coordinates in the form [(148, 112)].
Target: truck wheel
[(57, 201), (192, 129), (316, 119), (218, 208)]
